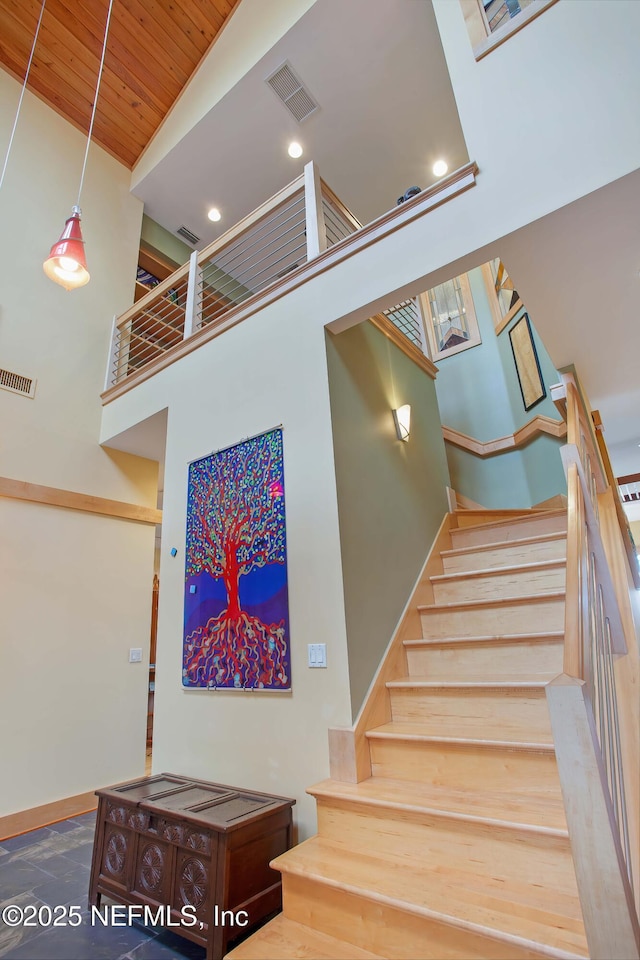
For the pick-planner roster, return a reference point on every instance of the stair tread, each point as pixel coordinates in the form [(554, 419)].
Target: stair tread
[(498, 571), (503, 683), (486, 638), (282, 939), (492, 601), (544, 809), (508, 521), (441, 730), (495, 545), (516, 912)]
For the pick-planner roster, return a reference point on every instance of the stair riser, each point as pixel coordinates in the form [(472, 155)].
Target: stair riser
[(450, 845), (464, 766), (387, 930), (535, 658), (495, 714), (472, 518), (494, 620), (282, 938), (519, 583), (531, 527), (505, 556)]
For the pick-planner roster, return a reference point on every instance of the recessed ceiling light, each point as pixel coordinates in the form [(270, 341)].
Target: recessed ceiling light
[(440, 167), (214, 214), (294, 150)]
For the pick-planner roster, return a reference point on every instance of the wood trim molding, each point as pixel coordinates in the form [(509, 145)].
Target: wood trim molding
[(391, 332), (535, 427), (328, 193), (456, 183), (55, 497)]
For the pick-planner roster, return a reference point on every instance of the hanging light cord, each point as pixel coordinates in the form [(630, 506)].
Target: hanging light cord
[(24, 87), (95, 102)]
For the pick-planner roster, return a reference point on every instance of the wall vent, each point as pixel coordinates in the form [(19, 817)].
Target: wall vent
[(291, 91), (16, 383), (188, 235)]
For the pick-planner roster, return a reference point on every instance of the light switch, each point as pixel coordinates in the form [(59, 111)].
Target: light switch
[(317, 654), (135, 655)]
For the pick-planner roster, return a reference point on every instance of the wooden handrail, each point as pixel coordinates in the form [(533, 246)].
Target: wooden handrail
[(627, 537), (529, 431), (593, 704), (391, 332), (240, 228), (580, 430), (328, 193), (630, 477), (149, 299), (573, 641)]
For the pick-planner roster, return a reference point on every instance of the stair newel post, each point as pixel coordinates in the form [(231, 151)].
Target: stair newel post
[(193, 305), (314, 215)]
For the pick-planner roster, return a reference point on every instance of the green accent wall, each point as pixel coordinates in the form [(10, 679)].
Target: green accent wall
[(164, 242), (391, 494), (479, 394)]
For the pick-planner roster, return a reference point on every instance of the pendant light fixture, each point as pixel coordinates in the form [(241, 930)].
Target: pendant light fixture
[(24, 87), (66, 263)]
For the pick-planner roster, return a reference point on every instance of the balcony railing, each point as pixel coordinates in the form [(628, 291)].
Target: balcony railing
[(294, 226), (257, 260), (629, 487)]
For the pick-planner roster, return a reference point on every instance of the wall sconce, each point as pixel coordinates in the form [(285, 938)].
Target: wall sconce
[(402, 421)]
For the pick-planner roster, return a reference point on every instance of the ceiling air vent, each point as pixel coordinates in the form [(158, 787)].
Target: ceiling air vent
[(290, 90), (188, 235), (16, 383)]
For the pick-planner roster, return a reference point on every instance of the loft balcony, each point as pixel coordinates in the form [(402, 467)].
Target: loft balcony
[(300, 232)]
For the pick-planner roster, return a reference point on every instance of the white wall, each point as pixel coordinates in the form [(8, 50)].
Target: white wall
[(75, 596), (269, 370), (551, 114), (252, 30), (75, 589)]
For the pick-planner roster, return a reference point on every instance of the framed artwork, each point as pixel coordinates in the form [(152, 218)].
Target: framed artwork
[(527, 364), (450, 318), (504, 301), (236, 608)]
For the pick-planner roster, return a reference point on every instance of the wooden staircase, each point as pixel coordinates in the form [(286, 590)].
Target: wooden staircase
[(457, 845)]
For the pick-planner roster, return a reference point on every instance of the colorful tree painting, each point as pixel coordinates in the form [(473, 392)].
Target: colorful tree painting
[(236, 631)]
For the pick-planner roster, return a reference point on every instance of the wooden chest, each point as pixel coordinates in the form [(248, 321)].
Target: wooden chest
[(191, 853)]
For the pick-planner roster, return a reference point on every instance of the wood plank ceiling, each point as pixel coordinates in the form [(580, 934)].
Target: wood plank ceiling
[(153, 48)]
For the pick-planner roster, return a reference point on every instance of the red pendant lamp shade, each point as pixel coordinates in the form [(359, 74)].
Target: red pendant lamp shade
[(66, 263)]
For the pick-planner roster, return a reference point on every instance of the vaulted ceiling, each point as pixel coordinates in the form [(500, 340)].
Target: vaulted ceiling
[(153, 48)]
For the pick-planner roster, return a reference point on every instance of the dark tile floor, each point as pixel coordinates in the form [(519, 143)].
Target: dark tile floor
[(50, 867)]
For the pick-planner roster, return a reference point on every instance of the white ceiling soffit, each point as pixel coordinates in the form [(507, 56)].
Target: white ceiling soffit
[(577, 272), (387, 112)]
